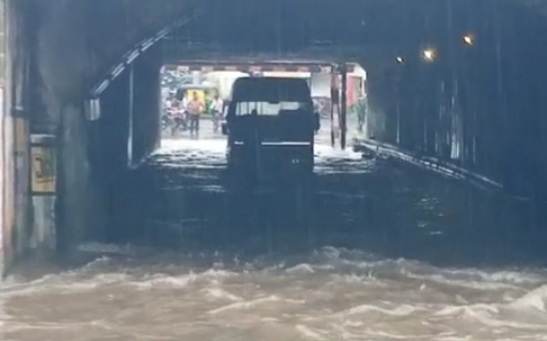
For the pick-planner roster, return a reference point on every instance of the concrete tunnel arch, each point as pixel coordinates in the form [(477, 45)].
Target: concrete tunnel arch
[(83, 201), (130, 56)]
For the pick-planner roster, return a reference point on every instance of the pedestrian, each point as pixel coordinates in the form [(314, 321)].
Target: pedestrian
[(216, 107), (362, 108), (184, 104), (195, 108)]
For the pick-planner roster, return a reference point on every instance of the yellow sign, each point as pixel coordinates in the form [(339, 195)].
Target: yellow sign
[(43, 169)]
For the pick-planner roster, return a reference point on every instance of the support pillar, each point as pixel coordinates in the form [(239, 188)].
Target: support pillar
[(22, 202), (6, 149), (344, 106), (77, 217), (130, 132), (6, 186), (335, 107), (398, 104)]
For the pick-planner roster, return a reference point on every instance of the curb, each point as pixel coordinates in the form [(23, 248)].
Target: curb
[(426, 162)]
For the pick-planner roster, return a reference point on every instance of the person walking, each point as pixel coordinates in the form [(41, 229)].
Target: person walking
[(362, 109), (216, 108), (195, 108)]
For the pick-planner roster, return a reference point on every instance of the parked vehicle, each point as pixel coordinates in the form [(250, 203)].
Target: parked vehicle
[(270, 123)]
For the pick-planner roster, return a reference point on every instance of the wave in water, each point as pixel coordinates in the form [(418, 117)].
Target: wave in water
[(332, 293)]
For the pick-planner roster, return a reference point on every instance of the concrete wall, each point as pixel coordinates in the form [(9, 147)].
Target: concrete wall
[(95, 156), (15, 217), (6, 148), (480, 106), (146, 105), (122, 123), (71, 53), (56, 52)]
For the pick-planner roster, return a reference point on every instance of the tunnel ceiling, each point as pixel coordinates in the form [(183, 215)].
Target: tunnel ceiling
[(248, 26), (81, 41), (266, 25), (273, 25)]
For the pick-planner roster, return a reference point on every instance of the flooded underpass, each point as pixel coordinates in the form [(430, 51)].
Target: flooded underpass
[(391, 253)]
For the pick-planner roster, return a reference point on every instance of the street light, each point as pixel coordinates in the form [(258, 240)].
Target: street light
[(429, 55), (468, 39)]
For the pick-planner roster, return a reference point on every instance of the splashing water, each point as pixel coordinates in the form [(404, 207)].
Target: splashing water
[(329, 294)]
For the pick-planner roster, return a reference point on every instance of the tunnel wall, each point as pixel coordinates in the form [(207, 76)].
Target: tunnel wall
[(73, 215), (17, 97), (108, 149), (15, 166), (58, 52), (477, 106), (6, 149), (125, 119), (146, 105), (47, 63)]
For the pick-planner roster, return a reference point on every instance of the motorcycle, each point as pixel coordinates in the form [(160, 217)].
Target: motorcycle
[(217, 117), (167, 124), (172, 122)]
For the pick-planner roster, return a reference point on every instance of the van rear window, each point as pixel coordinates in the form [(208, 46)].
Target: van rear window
[(270, 90), (265, 108)]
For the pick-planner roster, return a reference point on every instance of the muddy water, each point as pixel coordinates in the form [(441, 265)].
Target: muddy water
[(396, 255), (330, 294)]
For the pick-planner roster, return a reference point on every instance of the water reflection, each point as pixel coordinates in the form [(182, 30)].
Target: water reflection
[(356, 203)]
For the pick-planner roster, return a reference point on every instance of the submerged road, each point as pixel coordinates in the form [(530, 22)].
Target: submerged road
[(392, 253)]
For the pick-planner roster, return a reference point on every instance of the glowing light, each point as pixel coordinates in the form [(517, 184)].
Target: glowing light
[(468, 39), (429, 54), (400, 60)]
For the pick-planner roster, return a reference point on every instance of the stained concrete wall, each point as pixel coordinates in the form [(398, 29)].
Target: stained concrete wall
[(71, 53), (15, 217), (6, 148), (57, 52), (109, 137), (477, 106), (95, 156)]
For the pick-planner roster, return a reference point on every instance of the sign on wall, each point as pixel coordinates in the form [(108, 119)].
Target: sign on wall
[(43, 175)]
